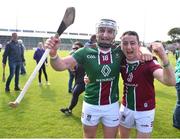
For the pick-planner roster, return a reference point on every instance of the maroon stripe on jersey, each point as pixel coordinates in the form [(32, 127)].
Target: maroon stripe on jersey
[(105, 58), (105, 92)]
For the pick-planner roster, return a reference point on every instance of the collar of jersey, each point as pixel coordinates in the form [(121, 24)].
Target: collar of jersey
[(104, 51), (132, 62)]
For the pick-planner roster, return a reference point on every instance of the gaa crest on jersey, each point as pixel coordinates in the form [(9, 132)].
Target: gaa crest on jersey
[(130, 77), (106, 70)]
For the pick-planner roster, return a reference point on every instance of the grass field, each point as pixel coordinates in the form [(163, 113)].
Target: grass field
[(38, 114)]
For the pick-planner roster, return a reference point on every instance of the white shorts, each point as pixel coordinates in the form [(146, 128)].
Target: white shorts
[(141, 120), (107, 114)]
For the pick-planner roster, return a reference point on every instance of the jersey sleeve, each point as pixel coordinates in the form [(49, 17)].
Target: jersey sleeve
[(154, 65), (79, 55)]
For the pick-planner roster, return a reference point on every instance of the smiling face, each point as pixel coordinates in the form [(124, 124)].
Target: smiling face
[(105, 35), (106, 30), (130, 46)]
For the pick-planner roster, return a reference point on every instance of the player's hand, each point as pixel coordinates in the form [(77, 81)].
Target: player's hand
[(86, 79), (53, 43), (158, 49)]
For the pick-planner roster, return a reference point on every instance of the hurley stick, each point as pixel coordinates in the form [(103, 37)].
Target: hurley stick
[(68, 19)]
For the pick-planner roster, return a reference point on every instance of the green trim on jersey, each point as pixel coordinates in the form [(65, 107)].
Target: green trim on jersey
[(130, 98), (98, 73)]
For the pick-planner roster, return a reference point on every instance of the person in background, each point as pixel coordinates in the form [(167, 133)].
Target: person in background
[(101, 64), (71, 80), (23, 69), (176, 114), (138, 102), (79, 85), (167, 52), (37, 56), (15, 54), (1, 47), (177, 53), (70, 71), (92, 41)]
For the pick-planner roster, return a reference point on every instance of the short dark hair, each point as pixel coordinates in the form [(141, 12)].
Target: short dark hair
[(93, 37), (79, 44), (133, 33), (14, 33)]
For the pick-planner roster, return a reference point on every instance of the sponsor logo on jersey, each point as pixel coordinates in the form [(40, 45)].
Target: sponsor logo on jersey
[(131, 85), (106, 70), (105, 80), (91, 56)]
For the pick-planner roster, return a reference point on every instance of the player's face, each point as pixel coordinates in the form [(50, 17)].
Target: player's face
[(130, 47), (105, 35)]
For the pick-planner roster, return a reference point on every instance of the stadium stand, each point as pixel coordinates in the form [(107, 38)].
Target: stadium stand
[(31, 38)]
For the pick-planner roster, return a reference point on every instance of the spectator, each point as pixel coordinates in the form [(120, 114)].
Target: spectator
[(15, 54), (0, 47), (92, 41), (177, 53), (71, 74), (23, 69), (37, 56), (79, 85), (176, 115)]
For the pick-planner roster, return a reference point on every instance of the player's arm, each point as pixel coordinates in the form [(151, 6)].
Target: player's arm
[(61, 64), (166, 74), (56, 62)]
